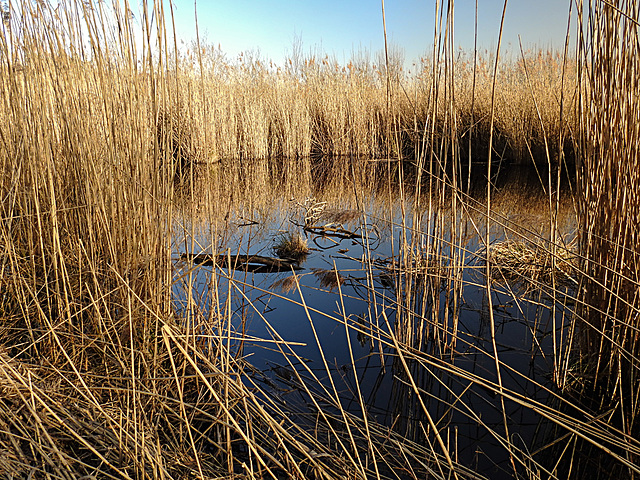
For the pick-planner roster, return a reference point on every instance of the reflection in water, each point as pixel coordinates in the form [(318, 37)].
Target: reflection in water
[(387, 320)]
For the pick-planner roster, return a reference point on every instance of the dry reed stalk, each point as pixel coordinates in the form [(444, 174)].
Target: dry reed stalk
[(487, 240), (610, 203)]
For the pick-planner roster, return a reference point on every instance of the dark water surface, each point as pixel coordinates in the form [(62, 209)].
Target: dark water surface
[(333, 328)]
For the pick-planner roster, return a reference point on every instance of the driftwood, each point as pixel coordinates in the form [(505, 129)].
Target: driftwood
[(250, 263), (330, 231)]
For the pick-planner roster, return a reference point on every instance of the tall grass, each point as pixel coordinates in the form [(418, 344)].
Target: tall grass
[(86, 260), (316, 106), (104, 373), (100, 374), (610, 206)]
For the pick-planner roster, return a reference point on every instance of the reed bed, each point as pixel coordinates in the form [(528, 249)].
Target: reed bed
[(106, 372), (610, 209), (102, 373), (315, 106)]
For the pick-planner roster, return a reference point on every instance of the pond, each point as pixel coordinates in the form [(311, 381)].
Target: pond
[(387, 318)]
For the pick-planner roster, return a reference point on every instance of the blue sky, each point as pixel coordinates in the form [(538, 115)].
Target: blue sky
[(340, 27)]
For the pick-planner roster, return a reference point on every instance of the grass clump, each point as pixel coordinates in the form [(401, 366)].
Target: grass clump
[(519, 260), (291, 246)]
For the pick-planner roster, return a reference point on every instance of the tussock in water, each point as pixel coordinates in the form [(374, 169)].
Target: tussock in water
[(522, 261), (291, 246)]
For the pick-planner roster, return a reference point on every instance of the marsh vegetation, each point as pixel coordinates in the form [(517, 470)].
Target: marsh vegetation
[(218, 268)]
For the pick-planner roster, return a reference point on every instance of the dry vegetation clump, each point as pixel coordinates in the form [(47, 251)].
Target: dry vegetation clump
[(286, 284), (329, 278), (521, 261), (291, 246)]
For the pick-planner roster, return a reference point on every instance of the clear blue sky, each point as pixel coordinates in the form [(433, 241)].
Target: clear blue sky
[(339, 27)]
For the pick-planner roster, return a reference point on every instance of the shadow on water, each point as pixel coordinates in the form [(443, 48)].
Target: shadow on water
[(328, 337)]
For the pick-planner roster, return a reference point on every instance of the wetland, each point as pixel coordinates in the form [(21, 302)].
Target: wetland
[(215, 268)]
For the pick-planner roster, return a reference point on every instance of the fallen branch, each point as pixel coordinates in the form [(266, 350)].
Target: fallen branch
[(251, 263)]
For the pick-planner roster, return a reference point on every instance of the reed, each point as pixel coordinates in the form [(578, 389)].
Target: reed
[(609, 206), (102, 371), (118, 361), (315, 106)]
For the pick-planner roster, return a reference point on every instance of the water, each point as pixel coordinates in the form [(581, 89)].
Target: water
[(334, 322)]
